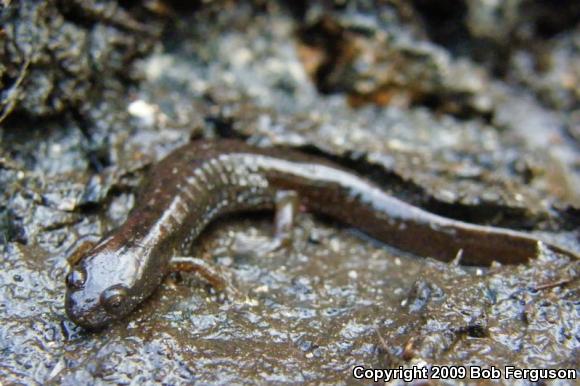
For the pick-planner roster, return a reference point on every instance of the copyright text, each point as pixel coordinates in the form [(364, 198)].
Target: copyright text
[(409, 374)]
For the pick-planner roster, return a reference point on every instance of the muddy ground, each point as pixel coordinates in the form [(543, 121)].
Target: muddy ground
[(468, 109)]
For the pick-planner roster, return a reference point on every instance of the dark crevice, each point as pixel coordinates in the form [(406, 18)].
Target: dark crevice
[(184, 7), (329, 37), (97, 154), (97, 207), (74, 13), (19, 121), (555, 16), (476, 331), (11, 229), (121, 15), (445, 23), (297, 8), (455, 106)]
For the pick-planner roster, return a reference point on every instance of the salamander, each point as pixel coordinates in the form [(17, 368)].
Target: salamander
[(205, 179)]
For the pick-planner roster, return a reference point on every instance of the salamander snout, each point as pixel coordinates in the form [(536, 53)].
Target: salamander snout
[(91, 309), (97, 294)]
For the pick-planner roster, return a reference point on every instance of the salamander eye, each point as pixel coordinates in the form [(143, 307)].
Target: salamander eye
[(76, 278), (113, 298)]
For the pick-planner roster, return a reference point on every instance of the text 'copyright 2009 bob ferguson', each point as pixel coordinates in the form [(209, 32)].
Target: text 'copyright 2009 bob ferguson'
[(415, 373)]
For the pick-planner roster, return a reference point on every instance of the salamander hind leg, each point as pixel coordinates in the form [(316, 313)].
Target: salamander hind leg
[(287, 205)]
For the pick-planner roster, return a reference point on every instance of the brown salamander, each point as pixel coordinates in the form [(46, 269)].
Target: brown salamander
[(206, 179)]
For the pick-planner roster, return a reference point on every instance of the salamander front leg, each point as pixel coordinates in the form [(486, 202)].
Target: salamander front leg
[(209, 272), (80, 248), (286, 208)]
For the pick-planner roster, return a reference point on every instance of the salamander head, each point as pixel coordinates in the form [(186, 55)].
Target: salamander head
[(101, 288)]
